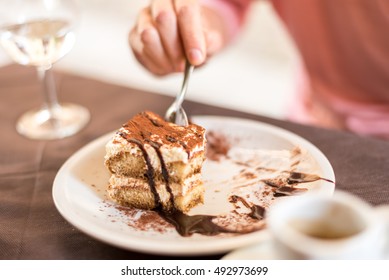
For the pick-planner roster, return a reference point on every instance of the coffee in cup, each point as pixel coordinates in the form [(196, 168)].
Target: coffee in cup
[(322, 227)]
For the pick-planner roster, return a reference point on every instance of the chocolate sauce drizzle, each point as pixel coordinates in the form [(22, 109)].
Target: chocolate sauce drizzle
[(287, 191), (282, 189), (165, 173), (257, 211), (298, 178), (184, 224), (150, 171), (187, 225)]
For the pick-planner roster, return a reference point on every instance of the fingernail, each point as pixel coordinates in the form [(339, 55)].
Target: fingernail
[(195, 56)]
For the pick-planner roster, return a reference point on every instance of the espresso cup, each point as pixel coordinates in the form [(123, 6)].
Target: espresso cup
[(323, 227)]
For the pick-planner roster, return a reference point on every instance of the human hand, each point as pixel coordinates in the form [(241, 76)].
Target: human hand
[(168, 31)]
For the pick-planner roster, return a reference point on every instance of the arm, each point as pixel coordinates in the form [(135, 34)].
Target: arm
[(167, 31)]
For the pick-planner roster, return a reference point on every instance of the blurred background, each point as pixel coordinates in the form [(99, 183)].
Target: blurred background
[(255, 74)]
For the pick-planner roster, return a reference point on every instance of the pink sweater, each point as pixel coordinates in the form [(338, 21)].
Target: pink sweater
[(344, 46)]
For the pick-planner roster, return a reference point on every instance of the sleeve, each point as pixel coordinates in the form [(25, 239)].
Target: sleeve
[(234, 12)]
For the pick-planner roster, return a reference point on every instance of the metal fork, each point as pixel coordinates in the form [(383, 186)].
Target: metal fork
[(175, 113)]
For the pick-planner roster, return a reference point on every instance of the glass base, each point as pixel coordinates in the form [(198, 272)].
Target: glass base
[(68, 119)]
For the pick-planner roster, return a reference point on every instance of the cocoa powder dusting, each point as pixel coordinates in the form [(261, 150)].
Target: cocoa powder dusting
[(144, 220), (146, 125), (217, 146)]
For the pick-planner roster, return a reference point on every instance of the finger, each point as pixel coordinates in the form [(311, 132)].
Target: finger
[(134, 41), (151, 66), (154, 50), (191, 30), (165, 20), (151, 41), (137, 47), (138, 40)]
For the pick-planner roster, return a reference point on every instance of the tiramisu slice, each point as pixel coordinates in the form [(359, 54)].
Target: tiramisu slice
[(156, 164)]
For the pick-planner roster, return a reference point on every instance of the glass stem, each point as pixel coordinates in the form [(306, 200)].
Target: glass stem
[(49, 93)]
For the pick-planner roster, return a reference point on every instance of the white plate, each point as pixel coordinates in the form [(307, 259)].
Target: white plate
[(79, 192)]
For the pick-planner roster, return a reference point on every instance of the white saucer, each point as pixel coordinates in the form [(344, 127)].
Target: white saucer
[(264, 250)]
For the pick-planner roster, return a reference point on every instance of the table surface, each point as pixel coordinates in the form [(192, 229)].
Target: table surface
[(30, 225)]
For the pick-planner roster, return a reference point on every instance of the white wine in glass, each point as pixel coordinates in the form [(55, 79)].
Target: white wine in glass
[(39, 33)]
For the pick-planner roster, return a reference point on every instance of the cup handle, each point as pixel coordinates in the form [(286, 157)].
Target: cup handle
[(383, 213)]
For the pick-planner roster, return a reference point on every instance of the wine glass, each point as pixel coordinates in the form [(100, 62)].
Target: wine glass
[(39, 33)]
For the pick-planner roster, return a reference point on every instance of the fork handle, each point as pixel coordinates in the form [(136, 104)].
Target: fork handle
[(188, 72)]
